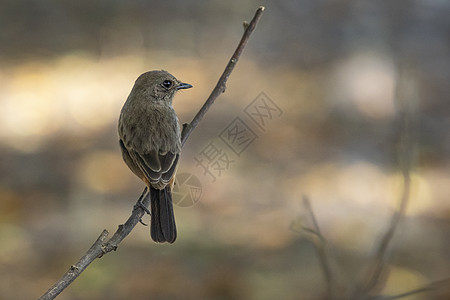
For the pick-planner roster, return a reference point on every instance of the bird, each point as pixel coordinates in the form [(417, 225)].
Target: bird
[(150, 142)]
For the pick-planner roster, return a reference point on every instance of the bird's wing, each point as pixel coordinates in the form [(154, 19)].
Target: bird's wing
[(170, 173), (129, 160), (158, 169)]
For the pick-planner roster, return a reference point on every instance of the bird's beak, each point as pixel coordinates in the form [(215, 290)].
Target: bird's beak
[(183, 86)]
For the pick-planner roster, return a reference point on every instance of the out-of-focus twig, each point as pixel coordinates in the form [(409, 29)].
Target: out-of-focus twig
[(320, 244), (99, 248), (377, 272), (441, 284)]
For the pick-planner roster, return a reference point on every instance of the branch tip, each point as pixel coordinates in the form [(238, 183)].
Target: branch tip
[(220, 86)]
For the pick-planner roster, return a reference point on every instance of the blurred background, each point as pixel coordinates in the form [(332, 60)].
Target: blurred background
[(336, 78)]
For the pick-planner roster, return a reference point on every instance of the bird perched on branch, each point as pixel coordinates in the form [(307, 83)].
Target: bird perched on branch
[(150, 140)]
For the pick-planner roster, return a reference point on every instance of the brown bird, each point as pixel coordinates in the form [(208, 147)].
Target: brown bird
[(150, 140)]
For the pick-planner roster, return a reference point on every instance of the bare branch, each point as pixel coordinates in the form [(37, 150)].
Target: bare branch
[(445, 283), (321, 249), (376, 275), (125, 229), (99, 248), (221, 84), (75, 270)]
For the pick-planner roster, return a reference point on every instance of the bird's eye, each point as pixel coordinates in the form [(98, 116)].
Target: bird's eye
[(167, 83)]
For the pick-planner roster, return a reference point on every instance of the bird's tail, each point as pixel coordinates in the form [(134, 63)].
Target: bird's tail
[(163, 228)]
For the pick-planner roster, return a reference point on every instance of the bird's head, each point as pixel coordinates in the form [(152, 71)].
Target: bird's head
[(158, 86)]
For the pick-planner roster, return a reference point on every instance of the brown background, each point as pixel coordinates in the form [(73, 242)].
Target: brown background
[(332, 67)]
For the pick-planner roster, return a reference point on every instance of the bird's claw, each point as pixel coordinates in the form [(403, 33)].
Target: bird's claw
[(141, 205)]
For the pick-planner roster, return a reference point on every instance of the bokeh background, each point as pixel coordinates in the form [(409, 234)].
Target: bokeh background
[(336, 70)]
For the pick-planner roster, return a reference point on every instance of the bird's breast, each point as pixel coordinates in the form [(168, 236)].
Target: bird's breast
[(151, 128)]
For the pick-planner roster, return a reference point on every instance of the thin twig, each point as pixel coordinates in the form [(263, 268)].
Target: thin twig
[(221, 84), (125, 229), (445, 283), (99, 248), (75, 270), (377, 270), (376, 275), (321, 249)]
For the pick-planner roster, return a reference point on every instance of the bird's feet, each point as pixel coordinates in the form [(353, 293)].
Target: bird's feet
[(141, 205)]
